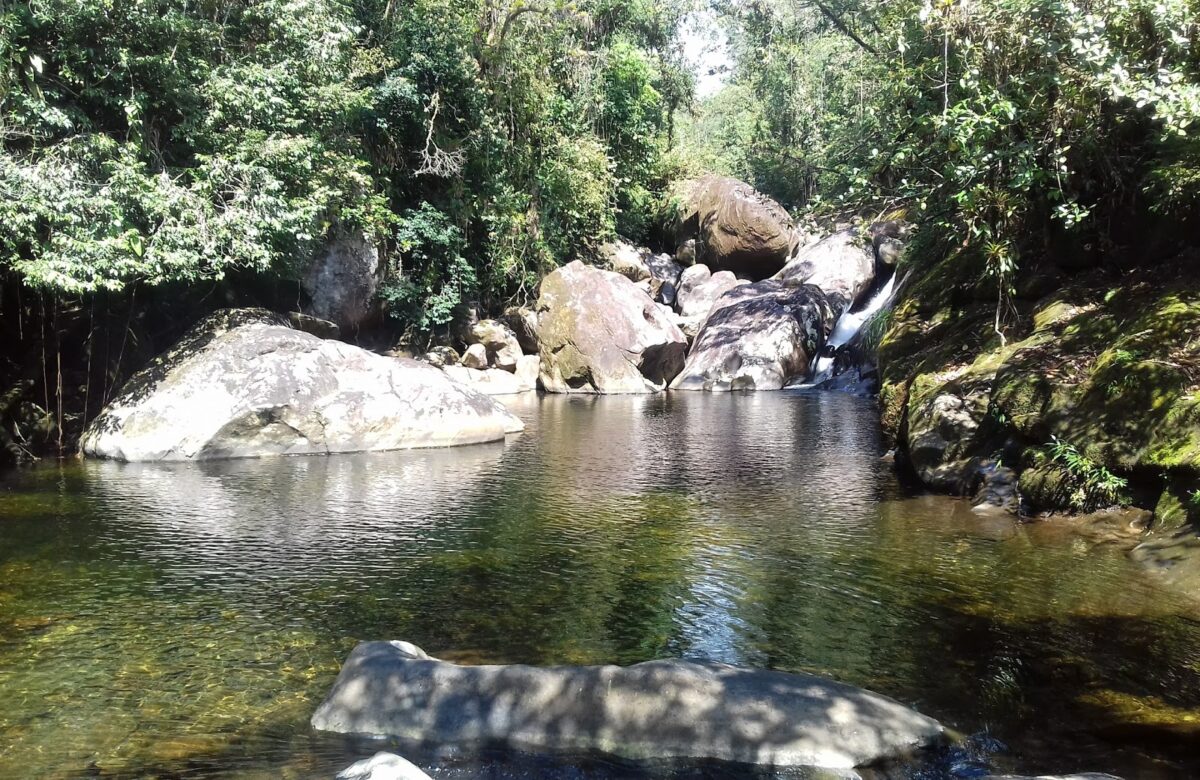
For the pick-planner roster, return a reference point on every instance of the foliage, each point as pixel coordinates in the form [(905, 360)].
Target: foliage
[(1092, 486), (1012, 126), (479, 142)]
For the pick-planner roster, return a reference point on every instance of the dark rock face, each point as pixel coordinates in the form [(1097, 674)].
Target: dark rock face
[(757, 337), (944, 442), (523, 323), (243, 384), (341, 281), (842, 265), (320, 328), (599, 333), (736, 228), (659, 709)]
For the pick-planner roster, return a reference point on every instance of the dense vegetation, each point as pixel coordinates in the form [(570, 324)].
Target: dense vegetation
[(1009, 126), (476, 141), (163, 157)]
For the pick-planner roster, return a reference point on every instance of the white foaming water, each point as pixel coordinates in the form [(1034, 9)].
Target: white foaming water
[(847, 327)]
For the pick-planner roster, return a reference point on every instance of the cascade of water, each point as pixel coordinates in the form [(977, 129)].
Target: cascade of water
[(847, 327)]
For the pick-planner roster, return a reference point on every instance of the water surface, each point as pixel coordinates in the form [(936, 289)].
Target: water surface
[(185, 620)]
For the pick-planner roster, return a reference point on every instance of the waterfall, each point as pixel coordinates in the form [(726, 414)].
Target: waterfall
[(848, 326)]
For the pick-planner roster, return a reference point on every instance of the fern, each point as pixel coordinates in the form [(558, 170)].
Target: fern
[(1092, 485)]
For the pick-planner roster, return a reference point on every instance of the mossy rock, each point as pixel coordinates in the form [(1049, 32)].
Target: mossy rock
[(1178, 506), (1047, 487)]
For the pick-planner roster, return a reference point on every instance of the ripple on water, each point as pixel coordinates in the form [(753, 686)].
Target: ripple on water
[(184, 620)]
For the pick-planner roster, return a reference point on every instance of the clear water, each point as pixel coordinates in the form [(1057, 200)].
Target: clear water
[(184, 621)]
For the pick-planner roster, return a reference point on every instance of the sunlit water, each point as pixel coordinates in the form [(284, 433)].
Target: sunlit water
[(184, 621)]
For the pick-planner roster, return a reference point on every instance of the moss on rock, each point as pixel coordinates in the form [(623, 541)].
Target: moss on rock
[(1109, 365)]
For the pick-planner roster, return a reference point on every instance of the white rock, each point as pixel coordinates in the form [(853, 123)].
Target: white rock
[(383, 766), (241, 384)]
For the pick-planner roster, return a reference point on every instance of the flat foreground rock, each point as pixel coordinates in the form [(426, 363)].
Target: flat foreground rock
[(658, 709)]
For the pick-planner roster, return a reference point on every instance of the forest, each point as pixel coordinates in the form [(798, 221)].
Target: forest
[(164, 157)]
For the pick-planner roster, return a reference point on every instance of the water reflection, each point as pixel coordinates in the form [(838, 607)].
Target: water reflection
[(185, 619)]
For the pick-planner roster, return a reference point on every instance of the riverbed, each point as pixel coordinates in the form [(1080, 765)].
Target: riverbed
[(185, 620)]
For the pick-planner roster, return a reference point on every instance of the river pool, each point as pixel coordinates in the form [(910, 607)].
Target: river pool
[(185, 620)]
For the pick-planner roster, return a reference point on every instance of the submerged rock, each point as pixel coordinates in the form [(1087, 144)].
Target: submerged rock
[(382, 766), (757, 337), (598, 333), (658, 709), (242, 383)]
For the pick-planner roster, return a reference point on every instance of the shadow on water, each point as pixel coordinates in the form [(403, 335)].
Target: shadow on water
[(185, 620)]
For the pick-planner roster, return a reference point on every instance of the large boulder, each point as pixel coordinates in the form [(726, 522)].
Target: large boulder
[(244, 384), (947, 431), (341, 280), (626, 259), (655, 710), (699, 289), (598, 333), (736, 227), (842, 265), (757, 337)]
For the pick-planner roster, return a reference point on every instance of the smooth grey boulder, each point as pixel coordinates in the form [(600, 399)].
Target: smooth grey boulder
[(757, 337), (658, 709), (341, 280), (244, 384), (382, 766), (842, 265), (699, 290), (598, 333), (626, 259)]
